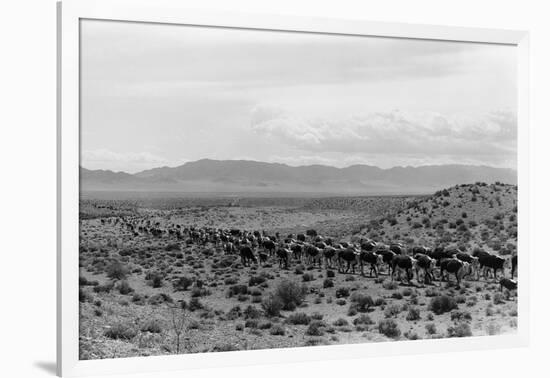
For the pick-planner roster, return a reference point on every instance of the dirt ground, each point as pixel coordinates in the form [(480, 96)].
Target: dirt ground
[(132, 286)]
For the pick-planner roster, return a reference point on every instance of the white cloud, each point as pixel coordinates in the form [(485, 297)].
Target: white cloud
[(419, 135)]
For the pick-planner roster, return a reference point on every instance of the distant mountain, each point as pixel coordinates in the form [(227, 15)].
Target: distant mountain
[(236, 176)]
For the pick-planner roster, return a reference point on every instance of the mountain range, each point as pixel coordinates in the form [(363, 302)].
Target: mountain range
[(243, 176)]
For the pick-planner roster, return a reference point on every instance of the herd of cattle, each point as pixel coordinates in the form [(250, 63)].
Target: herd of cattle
[(313, 249)]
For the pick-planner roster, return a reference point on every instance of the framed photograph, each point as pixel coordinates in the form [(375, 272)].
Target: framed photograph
[(238, 188)]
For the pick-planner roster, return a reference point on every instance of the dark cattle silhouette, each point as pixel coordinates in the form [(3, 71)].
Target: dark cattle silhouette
[(269, 246), (397, 248), (311, 233), (489, 262), (313, 254), (440, 253), (372, 259), (456, 267), (328, 255), (263, 257), (297, 251), (402, 263), (283, 254), (247, 255), (368, 246), (514, 261), (387, 257), (508, 284), (350, 256), (427, 265)]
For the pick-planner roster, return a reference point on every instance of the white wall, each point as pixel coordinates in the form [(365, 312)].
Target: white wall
[(27, 148)]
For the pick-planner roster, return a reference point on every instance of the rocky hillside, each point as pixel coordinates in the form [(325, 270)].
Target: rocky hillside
[(466, 216)]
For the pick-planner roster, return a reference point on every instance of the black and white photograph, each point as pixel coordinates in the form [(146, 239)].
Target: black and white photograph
[(245, 189)]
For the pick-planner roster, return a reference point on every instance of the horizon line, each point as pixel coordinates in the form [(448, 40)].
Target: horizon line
[(302, 166)]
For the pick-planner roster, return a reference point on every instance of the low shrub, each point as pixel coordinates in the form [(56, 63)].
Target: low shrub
[(116, 270), (277, 330), (291, 294), (124, 288), (152, 326), (272, 305), (431, 329), (121, 331), (461, 329), (389, 328), (342, 292), (299, 318), (441, 304), (413, 314), (316, 328)]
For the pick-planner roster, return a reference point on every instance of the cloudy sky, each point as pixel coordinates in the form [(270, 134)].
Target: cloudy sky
[(160, 95)]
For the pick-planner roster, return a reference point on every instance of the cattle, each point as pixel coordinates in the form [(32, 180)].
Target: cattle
[(301, 237), (235, 232), (311, 233), (247, 255), (456, 267), (514, 261), (313, 254), (489, 262), (397, 248), (350, 256), (263, 257), (427, 265), (328, 255), (296, 251), (440, 253), (269, 246), (372, 259), (283, 254), (387, 257), (404, 263), (508, 284), (472, 260), (368, 245)]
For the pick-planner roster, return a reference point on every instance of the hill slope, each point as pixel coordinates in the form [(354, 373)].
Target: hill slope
[(465, 216)]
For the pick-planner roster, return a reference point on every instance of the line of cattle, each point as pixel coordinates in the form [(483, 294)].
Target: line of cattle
[(314, 249)]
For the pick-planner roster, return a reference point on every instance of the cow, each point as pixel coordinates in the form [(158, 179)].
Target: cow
[(301, 237), (440, 253), (269, 246), (247, 255), (311, 233), (350, 256), (404, 263), (297, 251), (370, 258), (328, 255), (313, 254), (472, 260), (508, 284), (368, 245), (263, 257), (387, 257), (456, 267), (489, 262), (283, 254), (397, 248), (426, 264)]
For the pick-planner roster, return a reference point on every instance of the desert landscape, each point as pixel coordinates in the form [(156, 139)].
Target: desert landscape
[(245, 189), (172, 273)]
